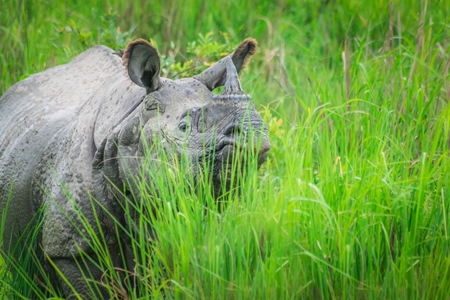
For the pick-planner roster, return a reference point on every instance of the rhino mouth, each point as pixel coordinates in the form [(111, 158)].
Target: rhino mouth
[(227, 156), (226, 142), (230, 147), (262, 156)]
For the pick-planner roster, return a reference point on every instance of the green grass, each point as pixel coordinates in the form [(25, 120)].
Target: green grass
[(354, 200)]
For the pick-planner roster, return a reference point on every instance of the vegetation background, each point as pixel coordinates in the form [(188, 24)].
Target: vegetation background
[(354, 200)]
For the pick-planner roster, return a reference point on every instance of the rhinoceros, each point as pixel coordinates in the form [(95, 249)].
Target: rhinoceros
[(67, 130)]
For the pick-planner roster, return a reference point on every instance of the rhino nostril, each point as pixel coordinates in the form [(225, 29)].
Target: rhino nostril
[(232, 130)]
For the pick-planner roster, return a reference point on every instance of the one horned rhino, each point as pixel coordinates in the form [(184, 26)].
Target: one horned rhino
[(62, 132)]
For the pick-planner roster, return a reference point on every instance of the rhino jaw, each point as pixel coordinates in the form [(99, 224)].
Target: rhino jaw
[(228, 137)]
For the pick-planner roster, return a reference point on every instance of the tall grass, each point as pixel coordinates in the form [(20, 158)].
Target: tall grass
[(354, 199)]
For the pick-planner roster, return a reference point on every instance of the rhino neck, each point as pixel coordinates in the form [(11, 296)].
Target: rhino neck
[(120, 102)]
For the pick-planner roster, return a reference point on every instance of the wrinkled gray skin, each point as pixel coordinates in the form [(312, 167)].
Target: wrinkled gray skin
[(67, 125)]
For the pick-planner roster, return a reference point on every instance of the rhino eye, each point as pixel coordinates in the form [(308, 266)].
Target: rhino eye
[(182, 126), (185, 120)]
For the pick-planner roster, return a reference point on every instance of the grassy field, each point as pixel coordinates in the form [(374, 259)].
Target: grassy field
[(354, 200)]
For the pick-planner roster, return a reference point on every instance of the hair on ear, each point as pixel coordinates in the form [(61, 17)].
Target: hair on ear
[(244, 53), (129, 48)]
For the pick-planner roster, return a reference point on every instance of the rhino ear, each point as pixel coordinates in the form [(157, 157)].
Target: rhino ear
[(143, 64), (216, 75), (243, 53)]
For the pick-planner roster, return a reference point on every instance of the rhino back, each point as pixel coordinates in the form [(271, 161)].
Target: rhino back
[(37, 112)]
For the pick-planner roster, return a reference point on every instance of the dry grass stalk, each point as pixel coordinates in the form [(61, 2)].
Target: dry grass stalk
[(346, 59)]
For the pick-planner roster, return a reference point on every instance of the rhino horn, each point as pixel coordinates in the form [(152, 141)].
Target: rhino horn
[(232, 89), (216, 75), (143, 64)]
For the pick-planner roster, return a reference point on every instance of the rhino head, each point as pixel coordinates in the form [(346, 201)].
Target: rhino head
[(185, 116)]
